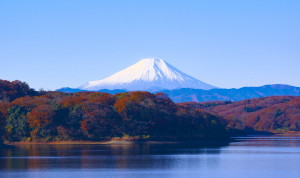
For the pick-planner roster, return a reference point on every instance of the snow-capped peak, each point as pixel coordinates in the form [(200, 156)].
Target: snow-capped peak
[(149, 75)]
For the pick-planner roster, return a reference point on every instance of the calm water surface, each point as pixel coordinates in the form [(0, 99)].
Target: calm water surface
[(247, 157)]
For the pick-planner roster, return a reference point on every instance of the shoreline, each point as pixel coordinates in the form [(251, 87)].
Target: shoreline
[(288, 134), (115, 142), (121, 141), (70, 142), (110, 142)]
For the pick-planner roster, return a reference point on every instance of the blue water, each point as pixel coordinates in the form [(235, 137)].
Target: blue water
[(249, 157)]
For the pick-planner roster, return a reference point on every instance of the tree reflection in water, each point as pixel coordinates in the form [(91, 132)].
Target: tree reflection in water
[(118, 156)]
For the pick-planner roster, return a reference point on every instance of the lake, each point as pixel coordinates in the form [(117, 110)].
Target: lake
[(257, 156)]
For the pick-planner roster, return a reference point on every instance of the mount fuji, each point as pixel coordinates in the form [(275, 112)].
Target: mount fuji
[(147, 75)]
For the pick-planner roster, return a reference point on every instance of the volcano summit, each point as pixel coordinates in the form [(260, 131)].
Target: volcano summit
[(147, 75)]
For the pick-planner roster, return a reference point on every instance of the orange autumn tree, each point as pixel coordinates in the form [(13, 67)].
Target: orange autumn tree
[(103, 98), (100, 121), (40, 120)]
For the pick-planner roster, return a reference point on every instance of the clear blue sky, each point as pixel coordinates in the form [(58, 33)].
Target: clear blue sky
[(227, 43)]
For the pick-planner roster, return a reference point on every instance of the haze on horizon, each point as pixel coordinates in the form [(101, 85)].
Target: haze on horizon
[(229, 44)]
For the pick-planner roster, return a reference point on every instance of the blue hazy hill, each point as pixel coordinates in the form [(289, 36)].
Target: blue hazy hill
[(188, 94)]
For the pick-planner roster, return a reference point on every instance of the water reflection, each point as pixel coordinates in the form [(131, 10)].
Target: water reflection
[(101, 156), (246, 157)]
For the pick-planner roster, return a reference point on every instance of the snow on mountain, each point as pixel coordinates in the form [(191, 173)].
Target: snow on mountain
[(148, 75)]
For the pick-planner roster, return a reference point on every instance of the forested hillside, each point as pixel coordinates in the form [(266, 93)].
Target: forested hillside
[(29, 115), (15, 89), (58, 116), (275, 113)]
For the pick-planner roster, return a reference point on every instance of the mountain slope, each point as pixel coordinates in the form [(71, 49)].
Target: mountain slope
[(281, 113), (186, 94), (147, 75)]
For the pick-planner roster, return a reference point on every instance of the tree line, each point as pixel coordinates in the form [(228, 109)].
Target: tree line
[(29, 115)]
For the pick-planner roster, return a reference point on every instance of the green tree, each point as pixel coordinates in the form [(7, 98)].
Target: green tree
[(16, 124)]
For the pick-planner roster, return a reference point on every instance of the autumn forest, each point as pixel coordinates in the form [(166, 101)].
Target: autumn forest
[(42, 116)]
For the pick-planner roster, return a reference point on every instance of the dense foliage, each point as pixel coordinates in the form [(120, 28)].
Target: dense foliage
[(57, 116), (274, 113), (15, 89), (28, 115)]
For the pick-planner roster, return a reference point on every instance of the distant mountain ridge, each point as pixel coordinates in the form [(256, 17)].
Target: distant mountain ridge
[(186, 95), (75, 90), (147, 75), (199, 95)]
